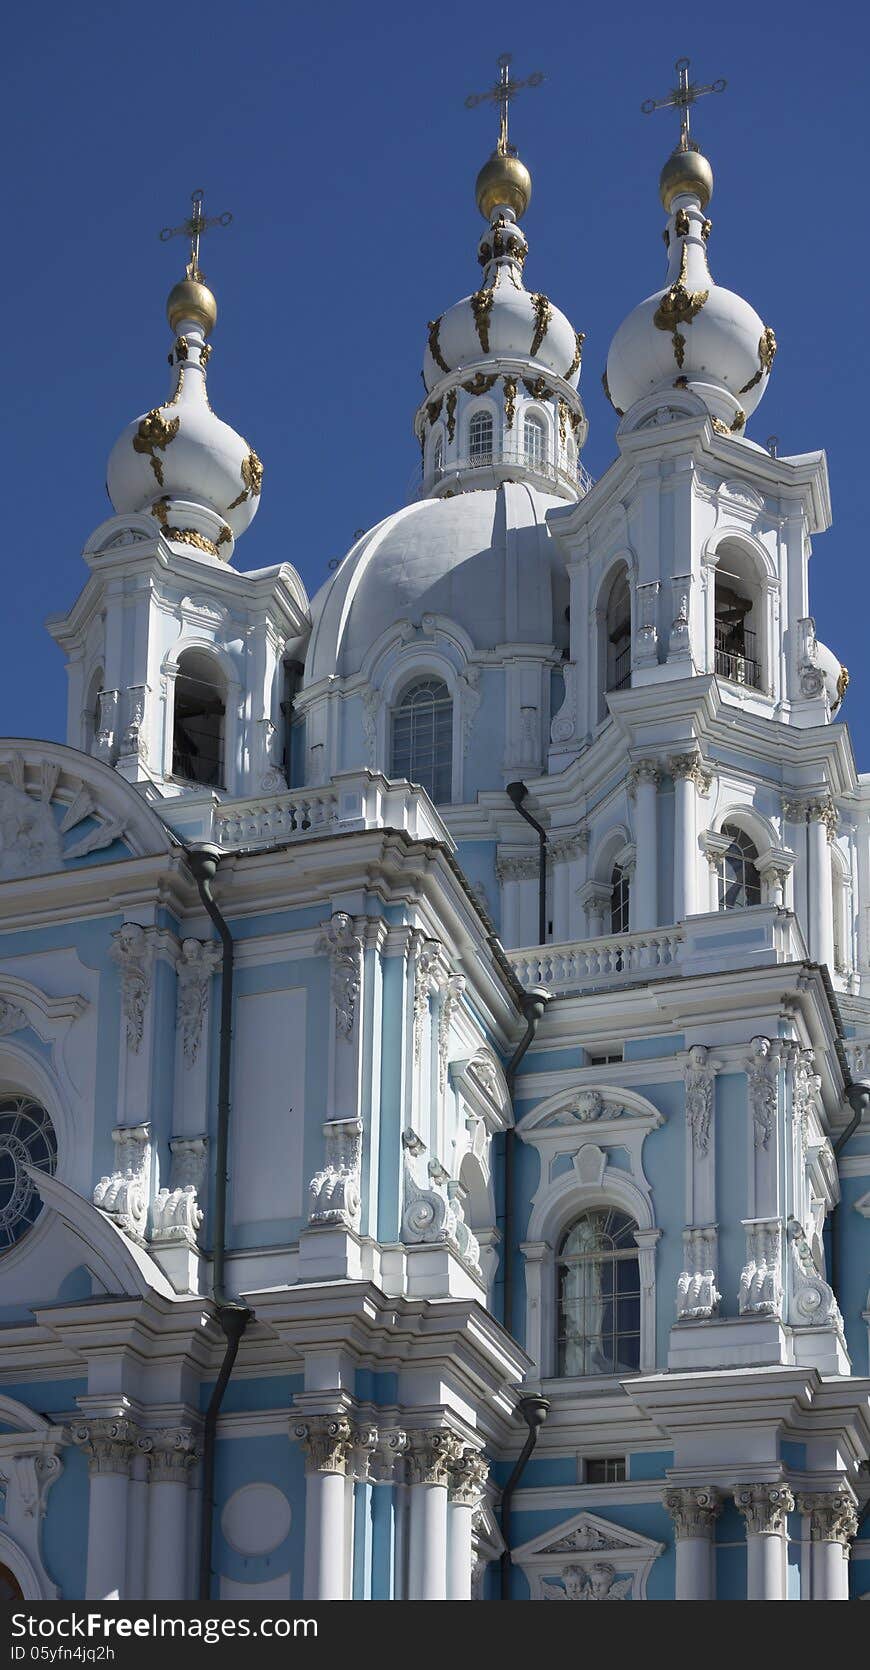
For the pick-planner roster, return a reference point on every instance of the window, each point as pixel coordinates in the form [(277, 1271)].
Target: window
[(26, 1139), (480, 438), (534, 442), (599, 1296), (604, 1058), (604, 1469), (736, 655), (739, 880), (438, 453), (423, 738), (92, 711), (619, 633), (198, 729), (619, 891)]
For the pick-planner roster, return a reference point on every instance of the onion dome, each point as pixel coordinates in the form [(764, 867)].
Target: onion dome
[(501, 367), (197, 476), (692, 333)]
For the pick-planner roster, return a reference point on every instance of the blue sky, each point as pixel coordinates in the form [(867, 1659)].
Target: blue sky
[(338, 137)]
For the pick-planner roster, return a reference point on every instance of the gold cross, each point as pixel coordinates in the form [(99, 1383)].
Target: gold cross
[(682, 97), (501, 94), (193, 229)]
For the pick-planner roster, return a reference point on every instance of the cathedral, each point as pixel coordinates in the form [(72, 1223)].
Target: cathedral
[(435, 1013)]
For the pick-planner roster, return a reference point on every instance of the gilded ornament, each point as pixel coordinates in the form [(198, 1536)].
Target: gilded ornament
[(738, 421), (682, 225), (160, 509), (433, 409), (842, 682), (434, 348), (155, 432), (579, 339), (190, 536), (252, 476), (205, 354), (510, 401), (543, 314), (575, 419), (225, 536), (706, 229), (484, 254), (182, 348), (679, 306), (766, 355), (179, 384), (606, 387), (481, 307), (563, 422), (679, 342), (450, 407), (536, 387), (479, 384)]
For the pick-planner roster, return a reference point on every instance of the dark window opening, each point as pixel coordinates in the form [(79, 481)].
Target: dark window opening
[(605, 1469), (198, 730)]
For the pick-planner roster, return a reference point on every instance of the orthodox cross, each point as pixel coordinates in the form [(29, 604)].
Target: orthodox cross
[(501, 94), (193, 229), (682, 97)]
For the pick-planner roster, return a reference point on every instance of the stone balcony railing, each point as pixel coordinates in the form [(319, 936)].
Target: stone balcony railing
[(712, 943), (352, 800)]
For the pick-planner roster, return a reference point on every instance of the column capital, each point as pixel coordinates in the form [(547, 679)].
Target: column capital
[(327, 1441), (643, 771), (108, 1441), (832, 1514), (431, 1454), (764, 1507), (171, 1451), (694, 1509), (691, 768), (468, 1476)]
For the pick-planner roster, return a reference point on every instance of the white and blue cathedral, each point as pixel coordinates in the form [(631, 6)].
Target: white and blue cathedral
[(435, 1015)]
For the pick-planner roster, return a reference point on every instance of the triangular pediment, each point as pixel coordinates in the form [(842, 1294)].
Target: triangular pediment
[(585, 1534)]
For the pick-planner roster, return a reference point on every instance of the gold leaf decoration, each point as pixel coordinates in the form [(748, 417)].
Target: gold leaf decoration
[(479, 384), (606, 387), (433, 409), (706, 229), (537, 388), (579, 338), (767, 347), (450, 406), (434, 346), (563, 421), (481, 307), (252, 477), (510, 401), (679, 306), (682, 225), (155, 432), (543, 314)]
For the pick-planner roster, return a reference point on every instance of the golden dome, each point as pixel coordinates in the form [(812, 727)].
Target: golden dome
[(503, 179), (689, 172), (191, 298)]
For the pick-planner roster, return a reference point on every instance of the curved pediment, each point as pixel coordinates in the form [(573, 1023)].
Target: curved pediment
[(117, 1263), (589, 1104), (58, 807)]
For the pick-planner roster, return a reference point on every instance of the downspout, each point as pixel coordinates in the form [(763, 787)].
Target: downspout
[(858, 1095), (232, 1314), (517, 793), (534, 1411), (293, 671)]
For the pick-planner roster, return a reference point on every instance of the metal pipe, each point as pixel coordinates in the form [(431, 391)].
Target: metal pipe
[(858, 1095), (534, 1411), (233, 1315), (517, 793), (533, 1003)]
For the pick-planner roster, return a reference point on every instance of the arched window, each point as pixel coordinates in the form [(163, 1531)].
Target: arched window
[(27, 1138), (438, 453), (599, 1295), (737, 612), (534, 441), (618, 628), (92, 711), (739, 880), (198, 729), (619, 891), (480, 438), (422, 748)]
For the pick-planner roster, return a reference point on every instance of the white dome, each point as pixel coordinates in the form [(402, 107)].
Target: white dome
[(692, 333), (197, 475), (485, 559)]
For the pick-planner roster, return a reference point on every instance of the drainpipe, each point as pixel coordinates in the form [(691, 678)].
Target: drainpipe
[(232, 1314), (534, 1411), (533, 1003), (858, 1095), (293, 671), (517, 793)]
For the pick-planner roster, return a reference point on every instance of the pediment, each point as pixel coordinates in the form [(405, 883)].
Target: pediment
[(588, 1558), (58, 806), (740, 493), (117, 1264), (589, 1105), (586, 1533)]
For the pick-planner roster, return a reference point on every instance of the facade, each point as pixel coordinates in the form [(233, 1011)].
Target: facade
[(435, 1015)]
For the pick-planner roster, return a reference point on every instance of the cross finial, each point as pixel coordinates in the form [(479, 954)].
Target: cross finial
[(682, 97), (193, 228), (501, 94)]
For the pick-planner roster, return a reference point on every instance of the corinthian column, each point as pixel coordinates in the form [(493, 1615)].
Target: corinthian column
[(821, 828), (694, 1511), (467, 1478), (833, 1524), (689, 778), (171, 1455), (643, 786), (764, 1508), (431, 1453), (327, 1441), (109, 1443)]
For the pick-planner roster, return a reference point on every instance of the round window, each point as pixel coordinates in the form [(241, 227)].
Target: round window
[(26, 1139)]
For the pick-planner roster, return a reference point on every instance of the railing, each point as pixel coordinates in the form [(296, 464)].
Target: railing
[(578, 479), (301, 812), (621, 674), (735, 657), (614, 957)]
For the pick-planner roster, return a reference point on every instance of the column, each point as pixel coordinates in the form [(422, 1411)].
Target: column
[(431, 1453), (764, 1508), (327, 1441), (467, 1478), (821, 825), (109, 1443), (171, 1454), (595, 898), (833, 1523), (643, 787), (688, 776), (694, 1510)]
